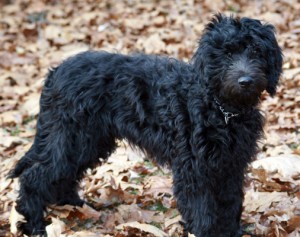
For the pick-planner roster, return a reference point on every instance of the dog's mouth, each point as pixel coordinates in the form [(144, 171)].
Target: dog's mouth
[(241, 94), (243, 89)]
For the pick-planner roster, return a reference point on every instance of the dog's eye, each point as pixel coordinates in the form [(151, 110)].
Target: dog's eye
[(254, 50), (229, 54)]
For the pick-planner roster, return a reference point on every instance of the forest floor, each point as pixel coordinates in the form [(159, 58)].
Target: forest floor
[(131, 195)]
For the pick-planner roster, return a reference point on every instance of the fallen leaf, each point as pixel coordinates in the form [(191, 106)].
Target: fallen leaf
[(261, 201), (172, 221), (56, 228), (158, 185), (86, 234), (31, 107), (152, 44), (12, 117), (285, 165), (12, 141), (89, 212), (14, 218), (144, 227)]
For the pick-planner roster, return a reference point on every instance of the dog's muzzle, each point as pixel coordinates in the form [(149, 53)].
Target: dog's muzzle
[(245, 81)]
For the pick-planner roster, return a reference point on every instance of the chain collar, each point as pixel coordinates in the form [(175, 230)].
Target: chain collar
[(227, 115)]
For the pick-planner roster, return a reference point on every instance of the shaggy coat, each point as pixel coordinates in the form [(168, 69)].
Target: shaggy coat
[(200, 119)]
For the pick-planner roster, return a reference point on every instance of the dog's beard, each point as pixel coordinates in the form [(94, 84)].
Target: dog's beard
[(232, 93), (239, 97)]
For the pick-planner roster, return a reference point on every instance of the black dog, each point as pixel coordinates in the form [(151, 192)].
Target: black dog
[(200, 119)]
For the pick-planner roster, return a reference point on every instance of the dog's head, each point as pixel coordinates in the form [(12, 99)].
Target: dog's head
[(239, 58)]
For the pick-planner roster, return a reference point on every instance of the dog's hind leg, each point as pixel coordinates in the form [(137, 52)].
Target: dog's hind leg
[(31, 202), (41, 182), (69, 149), (94, 145)]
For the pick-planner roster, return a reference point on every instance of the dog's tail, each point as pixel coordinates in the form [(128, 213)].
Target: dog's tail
[(30, 157), (24, 163)]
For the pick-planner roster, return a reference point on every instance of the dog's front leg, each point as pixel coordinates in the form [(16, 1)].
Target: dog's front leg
[(209, 205)]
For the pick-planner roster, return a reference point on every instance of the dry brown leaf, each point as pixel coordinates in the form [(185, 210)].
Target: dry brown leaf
[(52, 32), (135, 23), (109, 196), (117, 163), (280, 149), (276, 18), (86, 234), (286, 165), (62, 211), (289, 74), (14, 218), (152, 44), (12, 117), (158, 185), (262, 201), (56, 228), (89, 212), (293, 224), (10, 59), (144, 227), (173, 221), (159, 20), (214, 5), (125, 186), (4, 184), (12, 141), (31, 106), (31, 41)]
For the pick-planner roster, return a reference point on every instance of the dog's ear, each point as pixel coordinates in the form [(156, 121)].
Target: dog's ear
[(274, 58)]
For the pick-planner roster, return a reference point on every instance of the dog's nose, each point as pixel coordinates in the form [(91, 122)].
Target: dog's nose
[(245, 81)]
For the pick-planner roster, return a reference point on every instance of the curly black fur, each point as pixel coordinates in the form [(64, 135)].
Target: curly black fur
[(172, 110)]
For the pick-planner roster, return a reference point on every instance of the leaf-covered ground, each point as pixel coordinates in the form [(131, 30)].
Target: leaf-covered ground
[(131, 195)]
